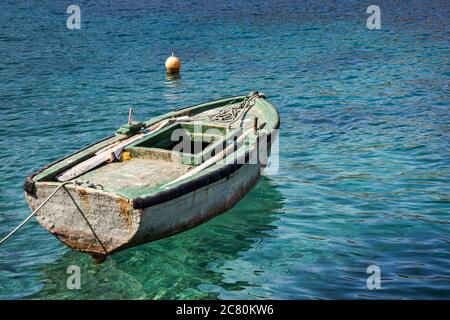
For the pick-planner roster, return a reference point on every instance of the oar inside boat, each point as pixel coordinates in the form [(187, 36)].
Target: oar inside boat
[(112, 152)]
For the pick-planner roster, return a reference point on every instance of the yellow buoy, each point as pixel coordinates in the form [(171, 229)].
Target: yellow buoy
[(173, 64)]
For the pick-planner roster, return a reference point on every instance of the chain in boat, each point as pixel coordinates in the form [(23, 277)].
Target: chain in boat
[(232, 114)]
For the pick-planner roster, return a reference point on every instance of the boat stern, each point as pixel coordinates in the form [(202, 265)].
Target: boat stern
[(86, 219)]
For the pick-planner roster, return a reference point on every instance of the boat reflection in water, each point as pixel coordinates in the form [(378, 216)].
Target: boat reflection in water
[(176, 267)]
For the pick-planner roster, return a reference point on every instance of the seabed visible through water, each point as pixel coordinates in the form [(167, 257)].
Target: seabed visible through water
[(363, 176)]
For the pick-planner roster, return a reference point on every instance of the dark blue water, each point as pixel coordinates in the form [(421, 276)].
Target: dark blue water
[(364, 174)]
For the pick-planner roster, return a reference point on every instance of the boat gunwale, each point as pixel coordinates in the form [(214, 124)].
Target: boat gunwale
[(29, 182)]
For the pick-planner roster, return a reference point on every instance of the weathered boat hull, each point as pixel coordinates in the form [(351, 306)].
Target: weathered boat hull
[(102, 223), (196, 207), (85, 219)]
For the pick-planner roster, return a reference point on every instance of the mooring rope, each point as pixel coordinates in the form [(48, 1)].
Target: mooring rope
[(87, 222), (62, 185), (33, 213)]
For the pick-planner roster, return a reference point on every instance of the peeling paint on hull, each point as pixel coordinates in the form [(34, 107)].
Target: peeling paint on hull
[(86, 220), (196, 207), (119, 226)]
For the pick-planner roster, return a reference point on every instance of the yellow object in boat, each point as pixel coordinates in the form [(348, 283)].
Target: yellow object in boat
[(125, 156)]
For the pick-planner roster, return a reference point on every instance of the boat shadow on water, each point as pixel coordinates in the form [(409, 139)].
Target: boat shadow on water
[(184, 266)]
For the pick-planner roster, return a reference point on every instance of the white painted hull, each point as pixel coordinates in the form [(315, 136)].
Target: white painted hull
[(196, 207), (117, 225)]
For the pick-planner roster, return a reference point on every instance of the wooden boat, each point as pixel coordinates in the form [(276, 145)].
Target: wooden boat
[(140, 185)]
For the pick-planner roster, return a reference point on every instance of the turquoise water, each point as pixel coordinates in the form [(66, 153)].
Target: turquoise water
[(364, 170)]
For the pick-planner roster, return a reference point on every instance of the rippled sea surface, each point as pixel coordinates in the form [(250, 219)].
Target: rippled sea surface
[(364, 169)]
